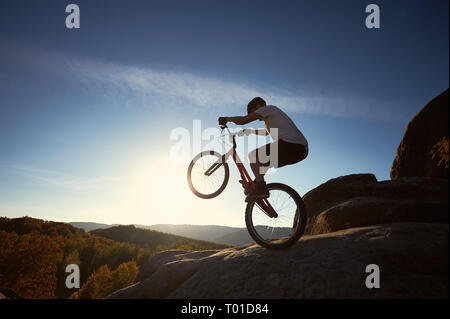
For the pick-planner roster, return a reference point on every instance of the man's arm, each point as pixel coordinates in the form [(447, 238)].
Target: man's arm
[(242, 120)]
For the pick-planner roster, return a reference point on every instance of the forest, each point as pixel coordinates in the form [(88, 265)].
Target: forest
[(34, 254)]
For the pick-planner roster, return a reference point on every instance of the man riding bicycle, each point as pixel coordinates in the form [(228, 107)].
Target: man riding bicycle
[(289, 145)]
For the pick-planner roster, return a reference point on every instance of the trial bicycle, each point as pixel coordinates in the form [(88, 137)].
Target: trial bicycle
[(276, 222)]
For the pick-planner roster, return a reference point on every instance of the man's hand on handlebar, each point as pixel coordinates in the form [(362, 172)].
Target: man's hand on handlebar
[(223, 120)]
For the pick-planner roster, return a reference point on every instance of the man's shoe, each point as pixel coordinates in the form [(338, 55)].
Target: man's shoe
[(260, 191)]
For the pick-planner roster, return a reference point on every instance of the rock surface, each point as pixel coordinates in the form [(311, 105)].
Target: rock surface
[(360, 200), (413, 156), (8, 293), (412, 257), (365, 211)]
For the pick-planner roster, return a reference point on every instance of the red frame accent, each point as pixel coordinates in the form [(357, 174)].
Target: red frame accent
[(248, 182)]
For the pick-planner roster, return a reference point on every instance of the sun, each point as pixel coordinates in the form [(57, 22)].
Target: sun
[(157, 187), (156, 191)]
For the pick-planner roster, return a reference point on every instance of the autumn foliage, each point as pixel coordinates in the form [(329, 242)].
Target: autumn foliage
[(103, 281), (34, 254), (29, 263), (439, 152)]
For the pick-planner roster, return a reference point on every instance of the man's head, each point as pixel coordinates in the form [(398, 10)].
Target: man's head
[(255, 104)]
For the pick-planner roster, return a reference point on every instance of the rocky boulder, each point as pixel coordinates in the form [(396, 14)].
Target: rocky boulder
[(360, 200), (412, 258), (337, 190), (365, 211), (415, 153)]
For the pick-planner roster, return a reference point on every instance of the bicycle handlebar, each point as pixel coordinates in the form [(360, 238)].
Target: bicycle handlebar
[(232, 135)]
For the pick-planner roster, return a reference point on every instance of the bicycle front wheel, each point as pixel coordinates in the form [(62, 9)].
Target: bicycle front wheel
[(208, 174), (286, 228)]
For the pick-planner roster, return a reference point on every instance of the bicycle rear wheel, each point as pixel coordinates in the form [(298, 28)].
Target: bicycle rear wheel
[(284, 230), (208, 174)]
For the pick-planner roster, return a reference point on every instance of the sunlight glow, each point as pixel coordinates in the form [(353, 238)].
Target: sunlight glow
[(158, 193)]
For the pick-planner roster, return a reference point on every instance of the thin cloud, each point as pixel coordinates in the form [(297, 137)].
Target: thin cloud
[(183, 88), (202, 91), (89, 184)]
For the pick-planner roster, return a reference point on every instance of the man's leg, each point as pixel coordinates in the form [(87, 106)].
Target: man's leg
[(257, 167), (259, 170), (259, 177)]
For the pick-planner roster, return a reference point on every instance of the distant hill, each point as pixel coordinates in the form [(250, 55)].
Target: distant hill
[(236, 238), (87, 226), (214, 233), (153, 240), (209, 233)]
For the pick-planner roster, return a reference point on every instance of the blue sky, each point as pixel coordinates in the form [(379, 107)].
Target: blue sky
[(86, 114)]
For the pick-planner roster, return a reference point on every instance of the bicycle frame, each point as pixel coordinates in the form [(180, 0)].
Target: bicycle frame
[(247, 182)]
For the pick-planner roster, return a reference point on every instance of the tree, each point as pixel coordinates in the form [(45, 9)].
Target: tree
[(103, 282), (29, 264)]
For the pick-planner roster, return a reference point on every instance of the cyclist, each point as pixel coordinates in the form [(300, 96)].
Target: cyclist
[(289, 145)]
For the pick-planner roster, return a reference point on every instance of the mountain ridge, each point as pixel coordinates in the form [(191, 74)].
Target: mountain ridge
[(213, 233), (151, 239)]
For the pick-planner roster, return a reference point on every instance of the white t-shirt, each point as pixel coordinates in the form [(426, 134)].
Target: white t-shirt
[(287, 131)]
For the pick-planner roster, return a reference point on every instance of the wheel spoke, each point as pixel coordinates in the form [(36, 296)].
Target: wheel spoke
[(206, 185), (274, 232)]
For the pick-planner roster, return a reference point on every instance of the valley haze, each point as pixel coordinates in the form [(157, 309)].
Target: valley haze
[(213, 233)]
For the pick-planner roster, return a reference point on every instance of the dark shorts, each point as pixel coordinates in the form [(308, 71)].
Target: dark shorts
[(288, 153)]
